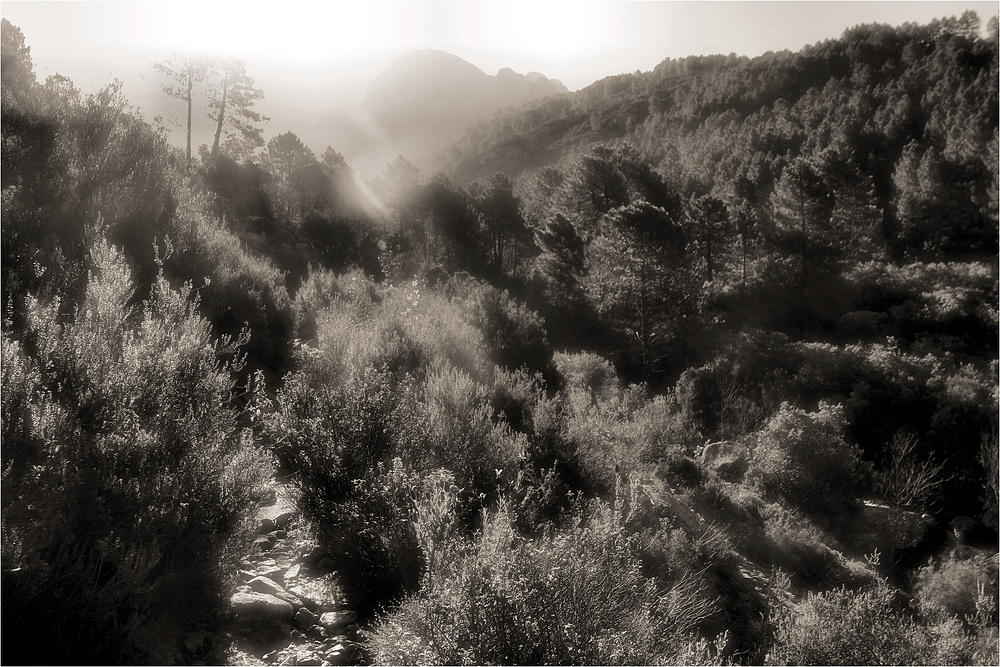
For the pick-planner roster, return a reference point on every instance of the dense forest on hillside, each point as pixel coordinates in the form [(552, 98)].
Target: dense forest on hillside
[(692, 366)]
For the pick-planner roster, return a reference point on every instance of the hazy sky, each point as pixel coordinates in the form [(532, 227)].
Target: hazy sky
[(312, 57), (576, 42)]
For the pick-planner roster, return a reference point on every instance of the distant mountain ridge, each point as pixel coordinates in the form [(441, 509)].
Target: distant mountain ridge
[(429, 97)]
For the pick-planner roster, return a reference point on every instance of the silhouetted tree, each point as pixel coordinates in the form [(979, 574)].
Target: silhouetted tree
[(709, 220), (231, 101), (801, 207), (506, 232), (635, 276), (183, 71)]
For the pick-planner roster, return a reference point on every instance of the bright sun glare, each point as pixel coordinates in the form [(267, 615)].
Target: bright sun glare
[(302, 31)]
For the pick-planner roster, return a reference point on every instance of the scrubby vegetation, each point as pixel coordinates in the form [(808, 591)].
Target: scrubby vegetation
[(710, 374)]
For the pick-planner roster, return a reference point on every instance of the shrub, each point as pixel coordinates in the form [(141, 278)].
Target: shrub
[(447, 421), (539, 499), (240, 289), (908, 479), (434, 513), (868, 627), (332, 439), (610, 428), (126, 485), (588, 372), (67, 162), (319, 289), (513, 334), (802, 458), (515, 395), (959, 588), (576, 597), (373, 543), (735, 393), (441, 328), (809, 555), (393, 373), (948, 306), (737, 512)]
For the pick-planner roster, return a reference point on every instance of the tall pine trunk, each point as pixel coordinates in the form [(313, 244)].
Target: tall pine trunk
[(190, 86), (222, 113)]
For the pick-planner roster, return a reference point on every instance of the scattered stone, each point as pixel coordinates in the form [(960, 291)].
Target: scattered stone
[(305, 619), (314, 556), (316, 633), (728, 459), (265, 543), (341, 654), (292, 572), (261, 607), (274, 573), (270, 587), (307, 601), (265, 526), (266, 585), (337, 620), (283, 519)]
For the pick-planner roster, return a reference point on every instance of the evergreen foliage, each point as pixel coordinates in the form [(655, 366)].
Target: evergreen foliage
[(691, 366)]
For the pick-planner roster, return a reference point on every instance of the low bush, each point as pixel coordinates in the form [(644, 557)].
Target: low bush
[(447, 421), (393, 373), (867, 627), (513, 334), (809, 555), (319, 289), (237, 289), (609, 428), (126, 485), (735, 393), (954, 587), (801, 457), (515, 397), (575, 597), (588, 372), (332, 439)]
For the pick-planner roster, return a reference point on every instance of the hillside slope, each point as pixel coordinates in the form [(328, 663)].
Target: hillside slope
[(428, 97)]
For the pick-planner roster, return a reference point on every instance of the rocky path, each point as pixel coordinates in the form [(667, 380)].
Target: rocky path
[(290, 608)]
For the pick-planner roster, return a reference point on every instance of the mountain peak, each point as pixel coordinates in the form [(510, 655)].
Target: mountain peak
[(432, 90)]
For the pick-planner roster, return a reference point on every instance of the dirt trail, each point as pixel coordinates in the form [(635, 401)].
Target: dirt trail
[(290, 608)]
